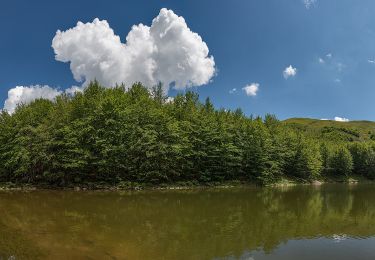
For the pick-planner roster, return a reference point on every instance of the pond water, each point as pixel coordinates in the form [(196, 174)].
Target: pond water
[(302, 222)]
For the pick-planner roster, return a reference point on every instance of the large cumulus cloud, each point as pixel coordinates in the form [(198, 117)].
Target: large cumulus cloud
[(167, 51)]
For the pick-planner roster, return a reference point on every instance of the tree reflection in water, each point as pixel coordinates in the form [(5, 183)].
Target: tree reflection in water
[(195, 224)]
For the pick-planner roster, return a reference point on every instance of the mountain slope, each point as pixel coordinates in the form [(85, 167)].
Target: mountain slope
[(334, 130)]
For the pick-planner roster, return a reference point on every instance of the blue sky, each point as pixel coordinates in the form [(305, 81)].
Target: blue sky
[(330, 43)]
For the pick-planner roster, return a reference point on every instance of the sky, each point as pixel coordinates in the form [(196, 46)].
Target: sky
[(291, 58)]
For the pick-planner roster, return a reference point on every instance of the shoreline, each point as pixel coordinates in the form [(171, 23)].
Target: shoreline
[(128, 186)]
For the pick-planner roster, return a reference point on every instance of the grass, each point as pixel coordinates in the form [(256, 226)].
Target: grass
[(334, 130)]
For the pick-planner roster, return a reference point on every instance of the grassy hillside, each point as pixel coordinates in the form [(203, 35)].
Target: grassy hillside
[(334, 130)]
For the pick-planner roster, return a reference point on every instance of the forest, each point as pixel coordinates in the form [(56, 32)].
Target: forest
[(123, 136)]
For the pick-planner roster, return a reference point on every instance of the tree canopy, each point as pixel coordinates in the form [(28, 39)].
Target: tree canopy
[(117, 135)]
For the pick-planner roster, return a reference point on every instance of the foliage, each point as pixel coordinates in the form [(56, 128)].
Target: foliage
[(118, 135), (341, 162)]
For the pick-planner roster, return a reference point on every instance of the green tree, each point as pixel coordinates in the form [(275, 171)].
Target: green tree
[(341, 163)]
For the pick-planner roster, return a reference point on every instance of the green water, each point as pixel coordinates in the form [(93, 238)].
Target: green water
[(304, 222)]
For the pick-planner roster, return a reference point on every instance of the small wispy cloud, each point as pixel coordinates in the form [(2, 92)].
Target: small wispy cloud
[(169, 100), (327, 57), (309, 3), (289, 72), (341, 119), (232, 91), (371, 61), (251, 89), (337, 119), (340, 66)]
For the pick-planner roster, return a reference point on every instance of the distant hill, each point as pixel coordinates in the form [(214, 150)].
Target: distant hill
[(335, 130)]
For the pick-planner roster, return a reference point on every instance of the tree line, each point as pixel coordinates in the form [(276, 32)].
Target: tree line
[(115, 135)]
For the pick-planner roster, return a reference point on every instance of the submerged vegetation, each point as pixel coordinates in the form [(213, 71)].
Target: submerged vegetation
[(118, 136)]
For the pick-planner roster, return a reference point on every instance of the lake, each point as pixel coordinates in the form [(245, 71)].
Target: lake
[(333, 221)]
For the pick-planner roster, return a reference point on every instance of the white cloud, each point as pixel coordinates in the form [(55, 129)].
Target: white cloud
[(327, 57), (25, 95), (252, 89), (169, 100), (332, 64), (309, 3), (371, 61), (289, 72), (341, 119), (167, 51), (340, 66), (337, 118), (232, 91), (73, 89)]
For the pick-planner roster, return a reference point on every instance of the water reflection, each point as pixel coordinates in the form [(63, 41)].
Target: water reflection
[(241, 223)]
